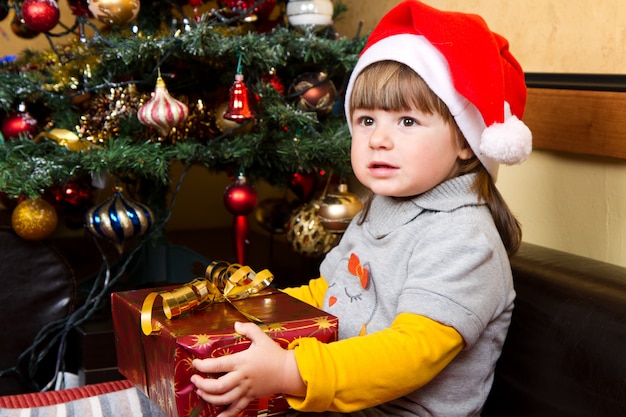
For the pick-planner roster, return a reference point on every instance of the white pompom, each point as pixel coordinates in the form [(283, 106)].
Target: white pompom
[(507, 143)]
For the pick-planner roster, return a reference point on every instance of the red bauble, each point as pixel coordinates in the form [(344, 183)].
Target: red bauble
[(272, 78), (303, 184), (240, 198), (19, 122), (40, 15), (76, 194)]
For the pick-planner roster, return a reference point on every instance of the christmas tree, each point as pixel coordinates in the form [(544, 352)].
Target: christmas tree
[(252, 88), (74, 110)]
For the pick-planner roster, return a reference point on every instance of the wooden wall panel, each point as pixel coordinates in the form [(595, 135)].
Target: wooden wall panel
[(578, 121)]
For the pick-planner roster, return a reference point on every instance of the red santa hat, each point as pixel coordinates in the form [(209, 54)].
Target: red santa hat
[(467, 66)]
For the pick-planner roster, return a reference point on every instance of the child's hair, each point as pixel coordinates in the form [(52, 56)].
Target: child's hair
[(393, 86)]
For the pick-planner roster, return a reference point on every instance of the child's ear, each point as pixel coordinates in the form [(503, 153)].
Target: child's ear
[(465, 152)]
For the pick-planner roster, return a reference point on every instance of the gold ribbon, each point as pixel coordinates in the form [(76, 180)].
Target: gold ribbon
[(223, 282)]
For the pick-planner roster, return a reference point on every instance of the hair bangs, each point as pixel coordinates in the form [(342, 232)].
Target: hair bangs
[(392, 86)]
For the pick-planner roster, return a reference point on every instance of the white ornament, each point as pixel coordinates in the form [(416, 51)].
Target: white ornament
[(310, 14)]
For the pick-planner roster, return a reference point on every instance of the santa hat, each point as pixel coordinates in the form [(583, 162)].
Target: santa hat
[(467, 66)]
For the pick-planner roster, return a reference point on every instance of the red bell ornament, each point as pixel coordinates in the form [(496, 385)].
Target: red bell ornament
[(239, 109), (40, 15), (240, 199)]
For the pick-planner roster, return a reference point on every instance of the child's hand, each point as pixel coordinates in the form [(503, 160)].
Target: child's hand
[(259, 371)]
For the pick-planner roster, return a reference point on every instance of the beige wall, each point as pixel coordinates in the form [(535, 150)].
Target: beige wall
[(569, 202)]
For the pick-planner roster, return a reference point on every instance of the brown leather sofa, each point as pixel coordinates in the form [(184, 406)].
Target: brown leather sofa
[(565, 354), (38, 288)]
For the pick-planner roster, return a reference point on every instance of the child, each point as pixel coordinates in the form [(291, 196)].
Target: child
[(421, 281)]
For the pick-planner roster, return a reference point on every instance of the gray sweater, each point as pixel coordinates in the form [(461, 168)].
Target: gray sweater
[(438, 255)]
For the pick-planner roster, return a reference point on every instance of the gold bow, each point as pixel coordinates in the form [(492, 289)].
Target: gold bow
[(223, 282)]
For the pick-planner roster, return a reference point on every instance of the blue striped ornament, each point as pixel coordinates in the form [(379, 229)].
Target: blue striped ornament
[(118, 219)]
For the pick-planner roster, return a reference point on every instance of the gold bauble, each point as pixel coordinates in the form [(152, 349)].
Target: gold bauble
[(306, 233), (114, 12), (34, 219), (338, 208)]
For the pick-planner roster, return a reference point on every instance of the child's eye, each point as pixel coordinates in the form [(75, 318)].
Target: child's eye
[(408, 121), (366, 121)]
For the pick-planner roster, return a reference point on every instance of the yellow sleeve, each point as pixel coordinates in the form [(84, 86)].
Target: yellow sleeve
[(312, 294), (365, 371)]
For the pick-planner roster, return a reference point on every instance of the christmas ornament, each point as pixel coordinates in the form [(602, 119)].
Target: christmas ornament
[(338, 208), (306, 233), (303, 185), (80, 8), (73, 199), (315, 92), (20, 29), (66, 138), (273, 214), (261, 11), (114, 12), (40, 15), (118, 219), (240, 199), (4, 10), (311, 15), (162, 111), (19, 122), (226, 125), (34, 219), (271, 77), (239, 109), (74, 195)]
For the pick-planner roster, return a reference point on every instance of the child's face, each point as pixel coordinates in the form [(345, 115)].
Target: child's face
[(403, 153)]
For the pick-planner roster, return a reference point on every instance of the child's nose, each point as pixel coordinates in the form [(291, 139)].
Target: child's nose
[(380, 138)]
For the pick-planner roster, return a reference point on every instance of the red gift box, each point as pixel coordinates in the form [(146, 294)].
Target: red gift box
[(160, 363)]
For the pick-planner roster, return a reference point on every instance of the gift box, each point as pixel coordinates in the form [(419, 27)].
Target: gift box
[(160, 363)]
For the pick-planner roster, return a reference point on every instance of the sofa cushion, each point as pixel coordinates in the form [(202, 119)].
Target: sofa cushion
[(564, 352)]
